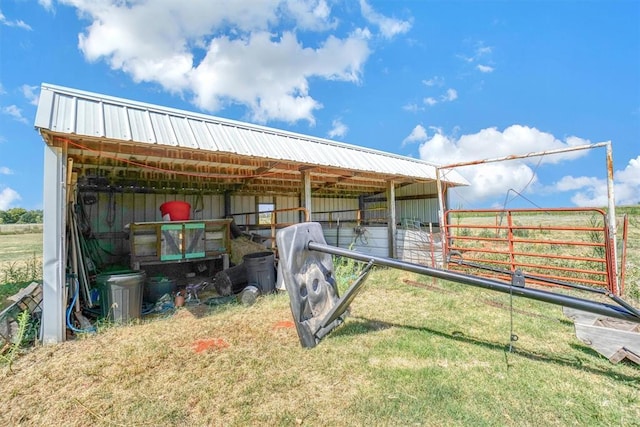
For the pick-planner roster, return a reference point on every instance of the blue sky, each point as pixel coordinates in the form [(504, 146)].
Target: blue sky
[(446, 81)]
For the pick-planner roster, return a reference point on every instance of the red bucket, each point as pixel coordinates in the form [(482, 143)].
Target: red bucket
[(175, 211)]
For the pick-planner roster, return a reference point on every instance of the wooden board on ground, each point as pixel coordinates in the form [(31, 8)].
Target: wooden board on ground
[(615, 339)]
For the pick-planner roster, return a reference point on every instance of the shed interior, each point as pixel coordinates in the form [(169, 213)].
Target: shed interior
[(111, 164)]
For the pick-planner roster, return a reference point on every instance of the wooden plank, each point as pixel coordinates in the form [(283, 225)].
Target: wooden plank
[(608, 341), (579, 316), (622, 354)]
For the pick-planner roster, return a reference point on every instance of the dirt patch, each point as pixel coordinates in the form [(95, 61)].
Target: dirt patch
[(200, 346)]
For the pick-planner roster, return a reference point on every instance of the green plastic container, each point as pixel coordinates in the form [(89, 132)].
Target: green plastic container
[(121, 295), (156, 287)]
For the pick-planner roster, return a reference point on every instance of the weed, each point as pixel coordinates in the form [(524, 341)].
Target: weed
[(464, 232), (26, 271), (596, 237), (487, 233), (25, 330), (520, 232), (345, 271)]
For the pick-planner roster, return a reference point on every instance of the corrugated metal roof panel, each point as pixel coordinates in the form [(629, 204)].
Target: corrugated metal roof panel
[(63, 114), (183, 132), (116, 122), (89, 118), (77, 112), (140, 124), (162, 129), (201, 135)]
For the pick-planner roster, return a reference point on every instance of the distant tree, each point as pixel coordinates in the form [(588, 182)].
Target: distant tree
[(31, 217), (21, 216), (12, 215)]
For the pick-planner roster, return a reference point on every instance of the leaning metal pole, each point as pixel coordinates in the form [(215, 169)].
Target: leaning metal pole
[(481, 282), (307, 270)]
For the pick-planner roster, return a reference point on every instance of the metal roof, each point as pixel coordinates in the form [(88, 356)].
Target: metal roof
[(134, 142)]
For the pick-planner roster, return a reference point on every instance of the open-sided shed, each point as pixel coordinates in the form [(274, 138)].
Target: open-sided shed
[(123, 159)]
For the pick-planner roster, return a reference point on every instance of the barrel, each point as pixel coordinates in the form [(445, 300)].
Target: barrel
[(261, 271), (121, 295), (156, 287)]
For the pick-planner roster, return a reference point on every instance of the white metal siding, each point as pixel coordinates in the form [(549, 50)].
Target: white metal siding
[(325, 209), (369, 240), (417, 189), (425, 210)]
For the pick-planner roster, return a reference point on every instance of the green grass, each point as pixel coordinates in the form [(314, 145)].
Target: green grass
[(405, 356)]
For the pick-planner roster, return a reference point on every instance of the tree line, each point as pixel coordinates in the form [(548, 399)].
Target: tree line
[(21, 216)]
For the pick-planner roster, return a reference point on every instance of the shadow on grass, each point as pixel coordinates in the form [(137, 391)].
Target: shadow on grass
[(359, 325)]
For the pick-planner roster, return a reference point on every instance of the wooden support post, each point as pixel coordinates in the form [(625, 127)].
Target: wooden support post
[(391, 215), (306, 193)]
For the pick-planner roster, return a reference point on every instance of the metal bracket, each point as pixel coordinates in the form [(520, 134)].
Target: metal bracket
[(517, 279)]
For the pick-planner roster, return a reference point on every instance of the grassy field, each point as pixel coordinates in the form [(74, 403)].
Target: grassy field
[(407, 355), (413, 351), (19, 247)]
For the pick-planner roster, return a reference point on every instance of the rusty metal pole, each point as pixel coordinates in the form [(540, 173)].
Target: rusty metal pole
[(611, 217), (443, 231)]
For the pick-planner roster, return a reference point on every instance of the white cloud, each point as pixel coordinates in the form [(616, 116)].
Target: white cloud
[(47, 4), (483, 50), (18, 23), (481, 56), (5, 171), (314, 15), (2, 91), (231, 72), (433, 81), (338, 129), (413, 108), (418, 134), (29, 93), (389, 27), (493, 180), (450, 95), (430, 101), (14, 112), (246, 52), (7, 197), (592, 191)]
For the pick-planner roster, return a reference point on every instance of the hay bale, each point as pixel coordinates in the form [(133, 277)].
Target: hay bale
[(243, 246)]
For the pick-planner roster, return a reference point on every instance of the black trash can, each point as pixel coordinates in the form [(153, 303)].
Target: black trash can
[(261, 271)]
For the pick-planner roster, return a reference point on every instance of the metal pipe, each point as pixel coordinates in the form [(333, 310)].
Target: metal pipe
[(494, 285), (441, 214), (527, 155)]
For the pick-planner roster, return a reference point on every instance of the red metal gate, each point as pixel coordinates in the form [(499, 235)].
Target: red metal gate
[(570, 245)]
